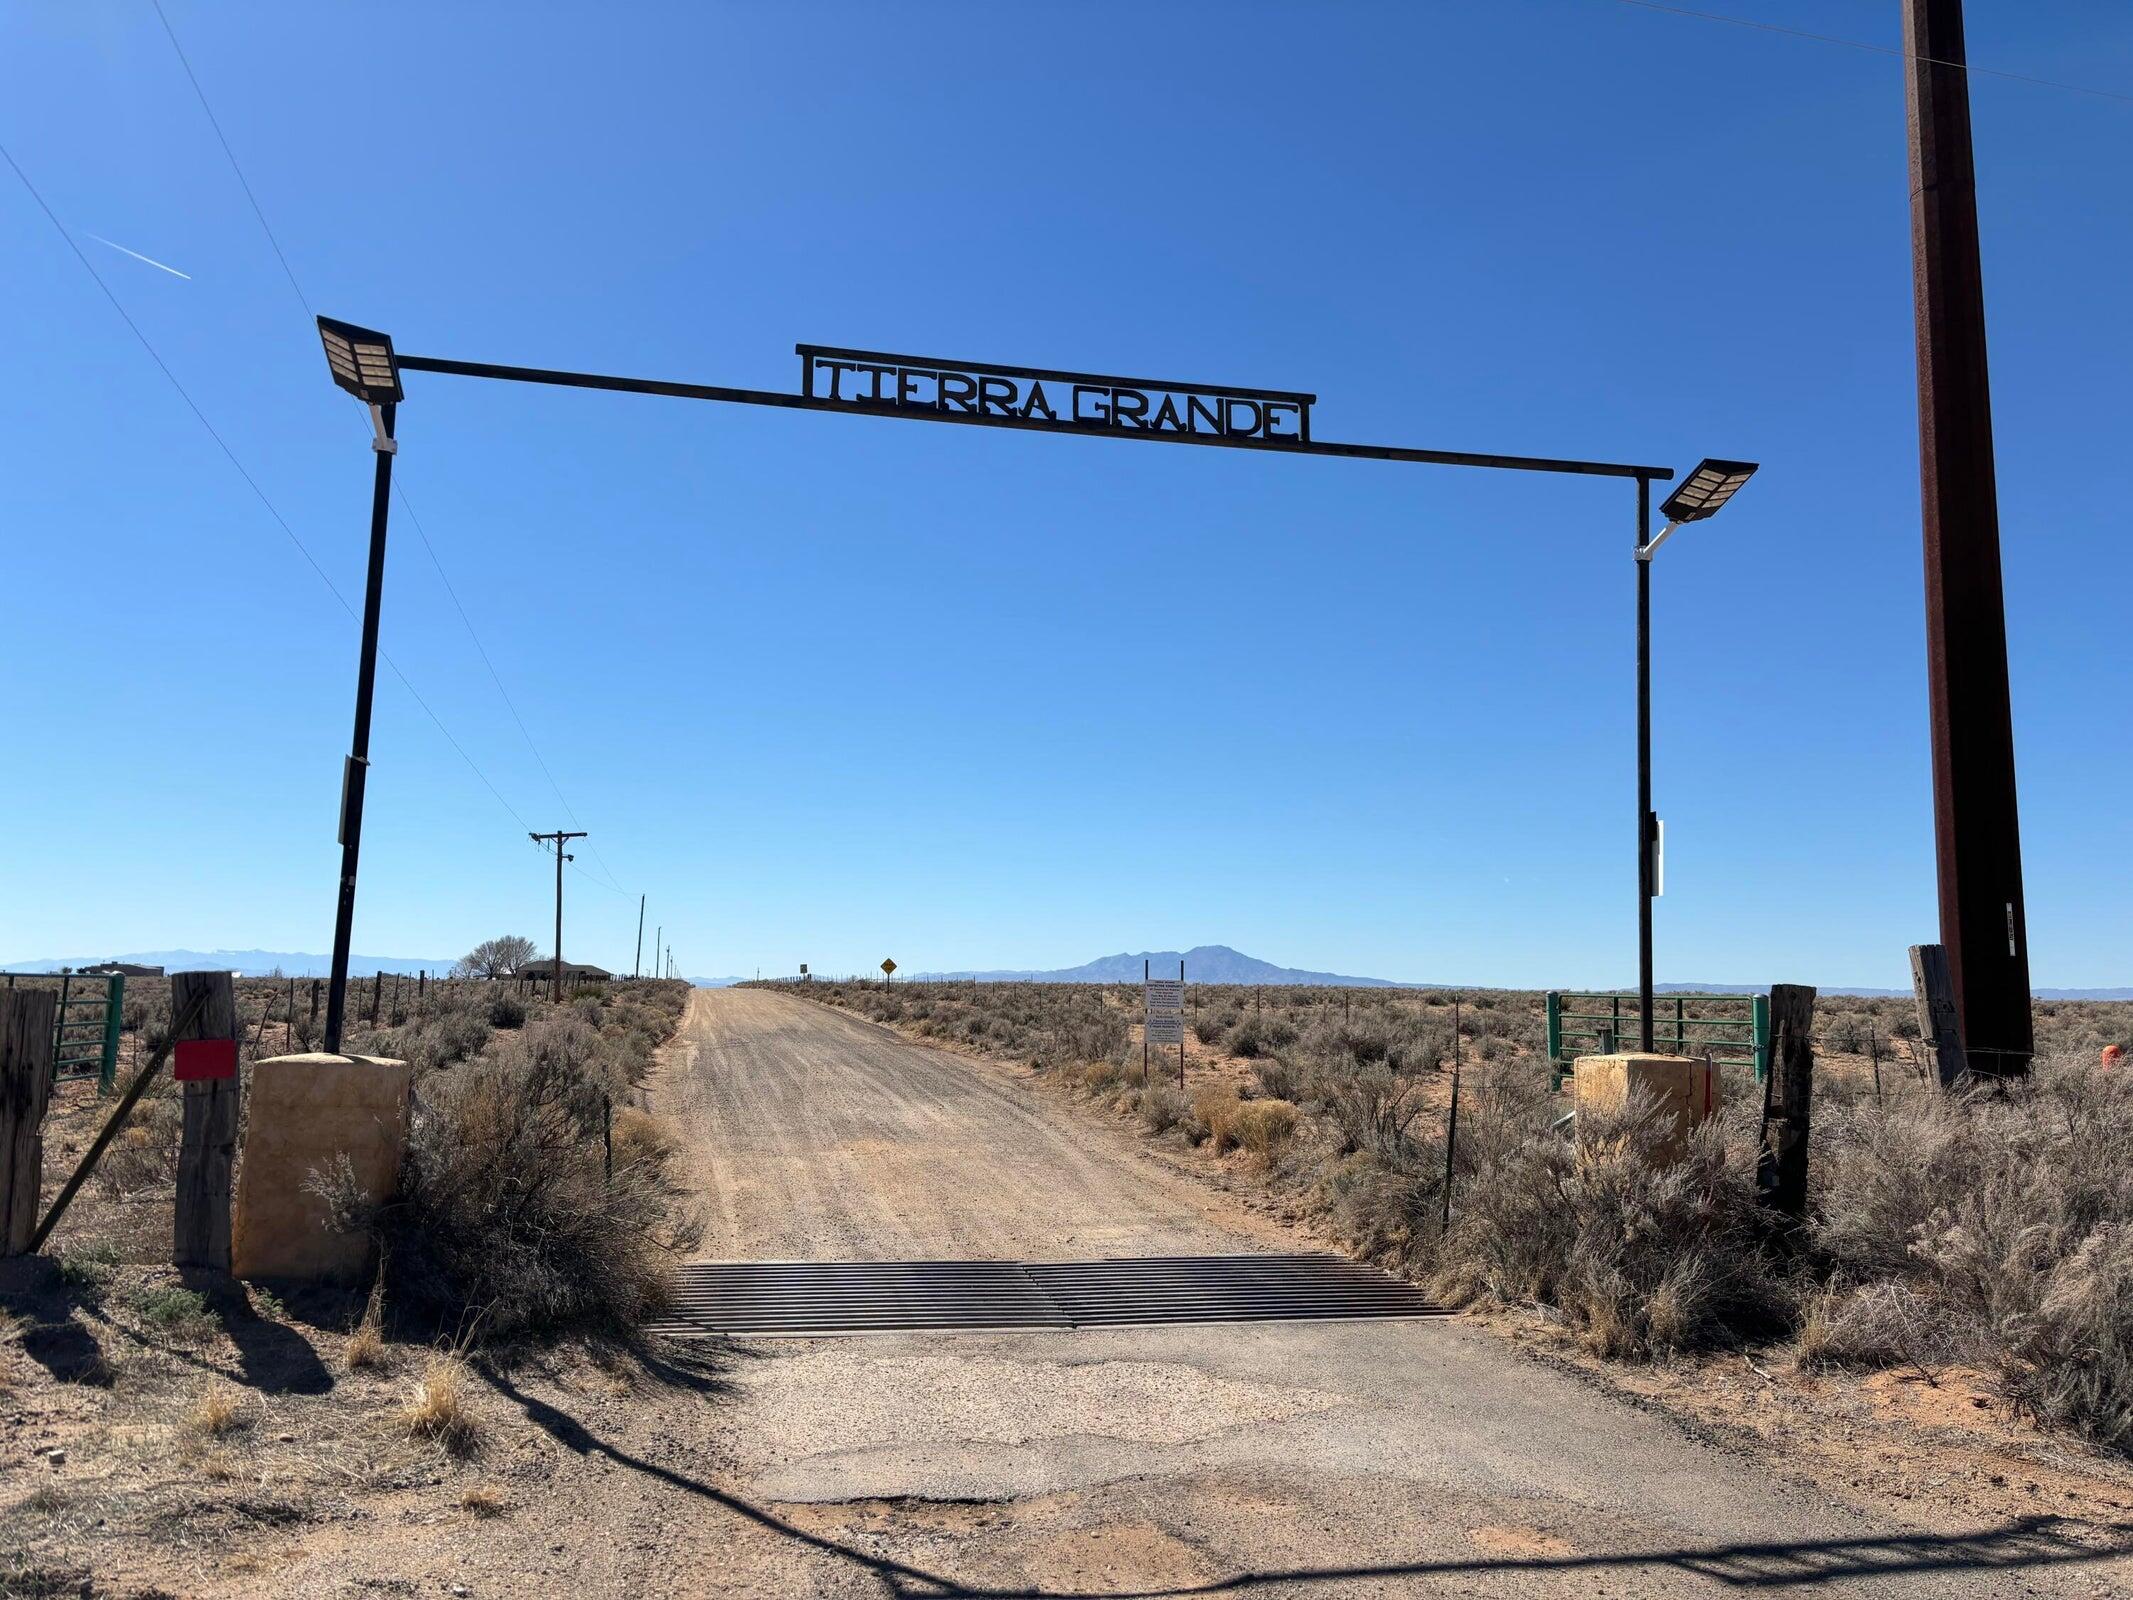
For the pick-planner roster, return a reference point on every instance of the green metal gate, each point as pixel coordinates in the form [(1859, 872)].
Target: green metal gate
[(1733, 1029), (85, 1038)]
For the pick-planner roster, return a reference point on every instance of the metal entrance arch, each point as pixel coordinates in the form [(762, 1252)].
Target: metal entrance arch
[(987, 395)]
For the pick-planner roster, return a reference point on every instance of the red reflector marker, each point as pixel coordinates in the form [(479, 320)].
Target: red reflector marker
[(201, 1059)]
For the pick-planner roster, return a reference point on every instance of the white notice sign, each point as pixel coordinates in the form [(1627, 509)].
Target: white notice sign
[(1165, 1011)]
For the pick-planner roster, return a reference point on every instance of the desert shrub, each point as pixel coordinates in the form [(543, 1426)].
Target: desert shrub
[(1279, 1077), (1101, 1078), (1255, 1036), (506, 1226), (172, 1308), (1642, 1255), (2007, 1212), (436, 1041), (87, 1269), (1849, 1033), (1370, 1108), (1163, 1106), (1209, 1030), (1880, 1324), (144, 1155), (506, 1010)]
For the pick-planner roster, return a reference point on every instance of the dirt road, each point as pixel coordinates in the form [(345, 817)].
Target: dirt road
[(1362, 1458), (820, 1137)]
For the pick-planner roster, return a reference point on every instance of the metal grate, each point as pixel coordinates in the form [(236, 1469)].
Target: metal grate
[(811, 1297)]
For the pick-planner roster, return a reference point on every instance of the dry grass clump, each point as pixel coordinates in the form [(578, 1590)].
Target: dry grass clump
[(365, 1349), (481, 1501), (1265, 1127), (217, 1414), (1216, 1107), (438, 1409)]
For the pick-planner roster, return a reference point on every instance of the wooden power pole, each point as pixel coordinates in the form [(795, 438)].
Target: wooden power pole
[(555, 987), (1977, 836)]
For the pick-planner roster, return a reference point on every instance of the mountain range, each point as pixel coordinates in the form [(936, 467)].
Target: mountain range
[(1206, 963)]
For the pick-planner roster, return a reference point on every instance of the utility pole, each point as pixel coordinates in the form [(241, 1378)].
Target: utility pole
[(658, 933), (555, 987), (637, 961), (1976, 830)]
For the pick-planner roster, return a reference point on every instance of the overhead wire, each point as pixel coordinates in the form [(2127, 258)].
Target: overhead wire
[(406, 504), (245, 473)]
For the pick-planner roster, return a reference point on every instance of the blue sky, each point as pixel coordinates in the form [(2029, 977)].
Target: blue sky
[(829, 688)]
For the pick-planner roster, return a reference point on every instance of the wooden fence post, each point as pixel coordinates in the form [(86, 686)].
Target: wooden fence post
[(377, 988), (26, 1035), (1788, 1097), (207, 1148), (1940, 1027)]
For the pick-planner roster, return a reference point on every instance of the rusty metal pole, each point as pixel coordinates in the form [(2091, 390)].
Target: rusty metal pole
[(1977, 834)]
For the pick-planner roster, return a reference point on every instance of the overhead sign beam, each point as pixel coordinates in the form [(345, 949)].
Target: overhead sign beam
[(933, 391)]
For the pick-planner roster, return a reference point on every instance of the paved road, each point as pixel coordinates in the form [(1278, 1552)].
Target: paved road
[(1418, 1458)]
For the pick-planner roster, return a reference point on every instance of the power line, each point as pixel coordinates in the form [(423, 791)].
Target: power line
[(201, 95), (251, 482), (1876, 49), (406, 505), (496, 678)]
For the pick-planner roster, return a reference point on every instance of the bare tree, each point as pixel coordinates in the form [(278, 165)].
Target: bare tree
[(495, 958)]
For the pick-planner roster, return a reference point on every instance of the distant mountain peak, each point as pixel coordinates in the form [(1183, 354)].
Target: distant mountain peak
[(1204, 963)]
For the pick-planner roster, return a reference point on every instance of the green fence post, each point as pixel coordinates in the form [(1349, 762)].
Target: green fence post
[(1761, 1003), (59, 1026), (114, 1015), (1555, 1038)]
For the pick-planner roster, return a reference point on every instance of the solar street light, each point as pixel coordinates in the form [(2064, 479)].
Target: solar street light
[(362, 362), (1706, 490), (1703, 493)]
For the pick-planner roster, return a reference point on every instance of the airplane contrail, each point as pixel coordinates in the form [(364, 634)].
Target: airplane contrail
[(151, 260)]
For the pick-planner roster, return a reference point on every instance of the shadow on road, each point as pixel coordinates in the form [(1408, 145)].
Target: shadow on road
[(2025, 1542)]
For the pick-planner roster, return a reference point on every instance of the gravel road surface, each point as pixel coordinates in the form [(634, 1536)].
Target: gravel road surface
[(1409, 1458)]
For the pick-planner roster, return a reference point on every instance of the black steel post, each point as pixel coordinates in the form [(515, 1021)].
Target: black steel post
[(1976, 827), (1644, 767), (358, 766)]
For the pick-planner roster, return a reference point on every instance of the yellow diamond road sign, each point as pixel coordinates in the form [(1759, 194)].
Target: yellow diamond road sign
[(887, 967)]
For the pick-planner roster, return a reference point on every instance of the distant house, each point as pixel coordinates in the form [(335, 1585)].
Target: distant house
[(120, 969), (573, 971)]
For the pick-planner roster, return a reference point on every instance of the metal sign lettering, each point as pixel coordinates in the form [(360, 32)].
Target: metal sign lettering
[(1165, 1001), (1079, 402)]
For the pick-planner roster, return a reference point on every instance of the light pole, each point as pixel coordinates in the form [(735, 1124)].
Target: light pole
[(1702, 494), (362, 363)]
